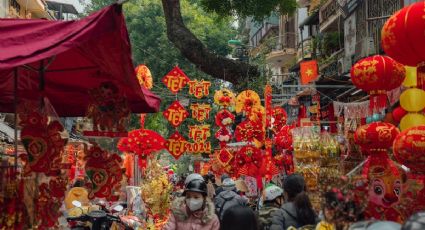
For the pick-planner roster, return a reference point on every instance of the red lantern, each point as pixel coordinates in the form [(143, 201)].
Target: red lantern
[(398, 113), (377, 75), (409, 148), (403, 33), (376, 136)]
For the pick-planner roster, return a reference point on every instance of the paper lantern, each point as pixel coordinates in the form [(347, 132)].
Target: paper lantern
[(377, 75), (398, 113), (375, 136), (413, 100), (409, 148), (412, 120), (403, 35), (144, 76)]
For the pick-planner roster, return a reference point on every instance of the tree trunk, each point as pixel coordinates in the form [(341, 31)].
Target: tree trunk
[(192, 48)]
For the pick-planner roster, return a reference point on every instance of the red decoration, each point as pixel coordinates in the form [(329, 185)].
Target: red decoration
[(199, 89), (250, 131), (375, 136), (283, 139), (224, 119), (175, 80), (200, 112), (176, 145), (409, 149), (309, 71), (224, 157), (398, 113), (104, 172), (144, 142), (377, 75), (268, 105), (108, 108), (144, 76), (42, 141), (49, 201), (279, 118), (402, 35), (175, 114)]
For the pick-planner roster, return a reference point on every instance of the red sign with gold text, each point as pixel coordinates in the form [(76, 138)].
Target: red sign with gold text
[(176, 145), (199, 89), (175, 114), (175, 80), (199, 133), (200, 112)]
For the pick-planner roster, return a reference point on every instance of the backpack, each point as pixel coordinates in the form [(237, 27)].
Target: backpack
[(305, 227), (228, 203), (265, 217)]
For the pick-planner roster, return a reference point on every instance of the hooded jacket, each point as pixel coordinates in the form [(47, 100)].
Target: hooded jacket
[(181, 219), (226, 200)]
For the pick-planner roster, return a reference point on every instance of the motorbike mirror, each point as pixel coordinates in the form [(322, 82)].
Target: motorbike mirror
[(76, 203), (118, 208)]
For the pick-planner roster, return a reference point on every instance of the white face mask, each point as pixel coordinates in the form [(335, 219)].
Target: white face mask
[(194, 204)]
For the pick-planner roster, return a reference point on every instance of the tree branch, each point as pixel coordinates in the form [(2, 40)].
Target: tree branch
[(194, 50)]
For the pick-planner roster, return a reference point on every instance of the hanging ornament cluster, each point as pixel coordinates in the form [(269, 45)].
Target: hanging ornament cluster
[(175, 114), (199, 134), (377, 75), (279, 119), (224, 97), (385, 178), (108, 110), (103, 171), (224, 119), (144, 76), (176, 145), (143, 142), (175, 80)]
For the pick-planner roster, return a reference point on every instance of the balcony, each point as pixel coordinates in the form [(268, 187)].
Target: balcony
[(329, 14), (266, 30), (305, 49), (282, 49)]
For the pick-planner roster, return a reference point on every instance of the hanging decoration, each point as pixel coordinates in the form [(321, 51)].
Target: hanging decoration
[(268, 167), (200, 112), (199, 89), (42, 140), (143, 142), (224, 156), (268, 105), (108, 110), (384, 176), (283, 139), (12, 209), (103, 171), (398, 113), (251, 132), (224, 97), (279, 119), (199, 134), (176, 145), (175, 114), (224, 119), (144, 76), (352, 110), (377, 75), (246, 100), (175, 80), (248, 161), (309, 71)]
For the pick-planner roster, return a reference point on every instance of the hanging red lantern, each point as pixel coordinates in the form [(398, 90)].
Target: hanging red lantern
[(409, 148), (376, 136), (398, 113), (377, 75)]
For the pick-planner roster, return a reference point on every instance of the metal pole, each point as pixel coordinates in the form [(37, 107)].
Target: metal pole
[(15, 107)]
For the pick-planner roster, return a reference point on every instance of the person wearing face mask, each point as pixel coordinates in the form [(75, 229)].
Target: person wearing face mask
[(272, 201), (193, 211)]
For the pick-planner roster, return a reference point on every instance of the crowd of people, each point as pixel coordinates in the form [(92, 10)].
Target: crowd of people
[(203, 205)]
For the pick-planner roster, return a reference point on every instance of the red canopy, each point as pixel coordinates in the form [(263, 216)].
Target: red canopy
[(77, 55)]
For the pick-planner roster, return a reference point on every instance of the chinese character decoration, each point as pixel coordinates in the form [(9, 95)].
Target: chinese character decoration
[(108, 110), (248, 162), (200, 112), (268, 105), (224, 157), (103, 171), (175, 80), (176, 145), (386, 179), (199, 134), (175, 114), (144, 76), (224, 119), (42, 140), (199, 89), (250, 131), (224, 97), (279, 118), (268, 167)]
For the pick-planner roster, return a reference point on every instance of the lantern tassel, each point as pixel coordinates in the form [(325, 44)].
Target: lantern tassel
[(378, 102)]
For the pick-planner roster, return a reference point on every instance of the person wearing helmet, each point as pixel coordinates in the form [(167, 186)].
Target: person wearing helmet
[(228, 198), (272, 201), (193, 211), (415, 222)]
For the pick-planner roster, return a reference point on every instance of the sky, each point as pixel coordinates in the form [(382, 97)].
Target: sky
[(76, 4)]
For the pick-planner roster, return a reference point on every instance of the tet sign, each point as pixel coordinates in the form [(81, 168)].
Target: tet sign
[(200, 112), (175, 80), (199, 133), (199, 89), (176, 145), (175, 114)]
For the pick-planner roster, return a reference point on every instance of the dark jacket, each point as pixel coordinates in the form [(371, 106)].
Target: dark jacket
[(265, 215), (286, 217), (226, 200)]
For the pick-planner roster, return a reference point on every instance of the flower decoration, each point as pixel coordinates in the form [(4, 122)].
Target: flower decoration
[(279, 118), (224, 97), (250, 131), (247, 100), (144, 142), (144, 76)]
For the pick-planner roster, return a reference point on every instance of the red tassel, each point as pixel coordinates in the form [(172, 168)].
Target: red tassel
[(378, 101)]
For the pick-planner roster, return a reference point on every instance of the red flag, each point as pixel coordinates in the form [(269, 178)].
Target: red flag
[(309, 71)]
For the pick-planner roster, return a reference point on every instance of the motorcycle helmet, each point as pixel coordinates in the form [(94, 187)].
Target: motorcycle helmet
[(195, 185), (272, 192)]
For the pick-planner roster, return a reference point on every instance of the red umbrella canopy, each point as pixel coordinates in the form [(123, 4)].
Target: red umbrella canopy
[(144, 141), (64, 59)]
